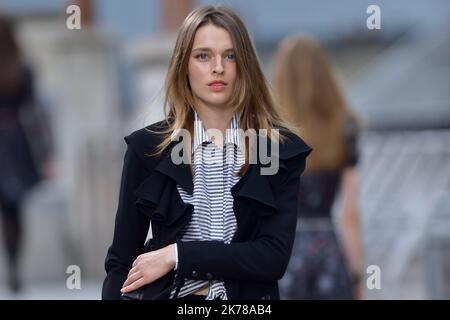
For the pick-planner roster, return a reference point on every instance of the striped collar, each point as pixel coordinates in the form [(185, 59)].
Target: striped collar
[(232, 136)]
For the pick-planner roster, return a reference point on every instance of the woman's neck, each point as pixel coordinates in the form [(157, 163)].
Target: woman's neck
[(218, 119)]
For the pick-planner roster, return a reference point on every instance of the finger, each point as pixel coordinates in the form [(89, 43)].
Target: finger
[(132, 270), (131, 278), (136, 261), (135, 285)]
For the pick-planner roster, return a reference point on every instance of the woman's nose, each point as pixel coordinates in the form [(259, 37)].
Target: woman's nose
[(218, 67)]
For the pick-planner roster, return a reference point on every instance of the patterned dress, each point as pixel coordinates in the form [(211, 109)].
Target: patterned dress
[(318, 269)]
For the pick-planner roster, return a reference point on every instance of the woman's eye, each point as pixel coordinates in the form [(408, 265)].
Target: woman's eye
[(231, 57), (201, 56)]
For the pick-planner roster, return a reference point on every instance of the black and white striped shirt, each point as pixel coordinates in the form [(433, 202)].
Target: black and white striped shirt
[(213, 218)]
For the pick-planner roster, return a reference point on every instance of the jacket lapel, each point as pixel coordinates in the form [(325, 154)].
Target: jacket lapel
[(180, 173), (254, 185)]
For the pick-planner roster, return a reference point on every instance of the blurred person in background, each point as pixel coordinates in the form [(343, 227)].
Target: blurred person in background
[(24, 146), (325, 264)]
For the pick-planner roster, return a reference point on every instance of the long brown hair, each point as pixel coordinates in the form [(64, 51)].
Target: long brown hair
[(252, 99), (310, 96)]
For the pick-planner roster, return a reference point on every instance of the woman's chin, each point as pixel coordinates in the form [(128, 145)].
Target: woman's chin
[(216, 102)]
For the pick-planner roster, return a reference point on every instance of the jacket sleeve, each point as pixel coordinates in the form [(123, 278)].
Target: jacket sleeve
[(266, 258), (130, 229), (35, 121)]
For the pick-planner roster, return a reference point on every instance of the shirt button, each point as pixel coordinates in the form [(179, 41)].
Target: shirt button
[(194, 274), (209, 276)]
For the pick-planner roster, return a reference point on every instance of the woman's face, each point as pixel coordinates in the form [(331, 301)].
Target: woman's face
[(212, 67)]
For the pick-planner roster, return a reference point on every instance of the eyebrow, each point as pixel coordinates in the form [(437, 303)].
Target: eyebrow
[(210, 50)]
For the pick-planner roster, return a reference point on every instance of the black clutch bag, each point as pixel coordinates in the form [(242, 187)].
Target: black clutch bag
[(139, 293), (157, 290)]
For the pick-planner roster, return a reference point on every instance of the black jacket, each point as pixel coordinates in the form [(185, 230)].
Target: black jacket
[(25, 140), (266, 213)]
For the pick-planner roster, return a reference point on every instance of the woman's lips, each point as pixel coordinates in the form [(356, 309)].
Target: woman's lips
[(217, 86)]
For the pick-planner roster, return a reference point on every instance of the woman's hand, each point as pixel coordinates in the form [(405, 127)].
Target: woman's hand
[(149, 267), (48, 169), (358, 291)]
